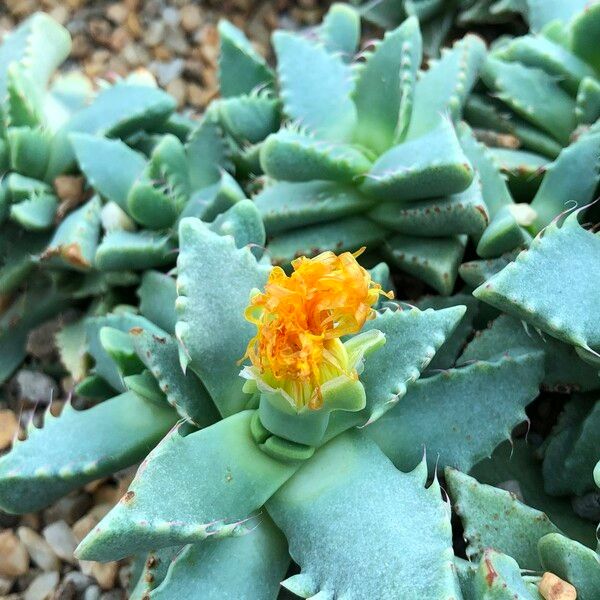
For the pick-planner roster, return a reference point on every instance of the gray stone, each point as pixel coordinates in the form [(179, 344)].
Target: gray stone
[(113, 595), (588, 506), (167, 71), (39, 549), (79, 580), (61, 539), (5, 585), (33, 388), (154, 33), (42, 586), (92, 593), (171, 16)]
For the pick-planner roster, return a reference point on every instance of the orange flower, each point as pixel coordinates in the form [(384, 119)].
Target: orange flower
[(300, 318)]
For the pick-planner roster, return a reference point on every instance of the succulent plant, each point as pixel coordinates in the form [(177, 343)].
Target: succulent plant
[(367, 153), (280, 403)]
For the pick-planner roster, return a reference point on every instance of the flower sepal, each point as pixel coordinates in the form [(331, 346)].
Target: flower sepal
[(282, 416)]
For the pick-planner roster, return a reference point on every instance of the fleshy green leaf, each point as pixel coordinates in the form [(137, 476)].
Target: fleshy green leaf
[(476, 272), (29, 149), (70, 341), (207, 153), (292, 156), (538, 51), (237, 479), (507, 335), (446, 356), (36, 213), (28, 310), (153, 571), (78, 447), (285, 205), (433, 260), (412, 339), (498, 577), (444, 87), (157, 295), (250, 119), (572, 450), (540, 13), (459, 416), (117, 111), (241, 68), (315, 87), (494, 518), (493, 186), (349, 485), (249, 566), (465, 212), (211, 266), (429, 166), (585, 27), (533, 94), (588, 101), (104, 365), (73, 245), (504, 232), (347, 234), (550, 290), (516, 462), (243, 222), (137, 250), (385, 87), (572, 562), (340, 30), (110, 166), (39, 45), (572, 177), (184, 392)]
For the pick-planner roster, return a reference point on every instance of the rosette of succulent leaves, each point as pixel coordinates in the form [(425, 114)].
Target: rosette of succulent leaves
[(144, 166), (222, 504)]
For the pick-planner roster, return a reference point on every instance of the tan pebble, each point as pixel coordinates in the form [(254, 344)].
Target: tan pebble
[(161, 52), (191, 17), (21, 8), (60, 13), (31, 520), (5, 585), (40, 551), (81, 46), (105, 574), (117, 13), (92, 486), (89, 521), (134, 26), (69, 187), (8, 428), (106, 494), (135, 55), (14, 559), (177, 89), (119, 38), (199, 96), (552, 587), (100, 31)]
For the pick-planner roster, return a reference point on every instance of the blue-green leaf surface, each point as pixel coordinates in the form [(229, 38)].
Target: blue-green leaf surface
[(349, 485)]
